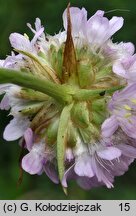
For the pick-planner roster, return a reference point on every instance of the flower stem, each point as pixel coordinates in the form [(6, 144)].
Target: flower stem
[(86, 94), (54, 90)]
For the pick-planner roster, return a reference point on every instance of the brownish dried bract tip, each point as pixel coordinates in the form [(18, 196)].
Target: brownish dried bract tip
[(69, 58)]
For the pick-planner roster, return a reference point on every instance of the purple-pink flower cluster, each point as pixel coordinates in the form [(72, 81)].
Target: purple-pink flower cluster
[(105, 147)]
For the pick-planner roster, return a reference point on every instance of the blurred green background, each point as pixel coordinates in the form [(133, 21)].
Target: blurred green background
[(14, 14)]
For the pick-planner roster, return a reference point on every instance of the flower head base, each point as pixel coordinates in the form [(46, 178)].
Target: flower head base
[(66, 96)]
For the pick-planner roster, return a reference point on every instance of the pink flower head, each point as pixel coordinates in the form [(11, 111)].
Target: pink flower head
[(64, 100)]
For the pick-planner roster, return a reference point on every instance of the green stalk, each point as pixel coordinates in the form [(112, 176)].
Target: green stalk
[(54, 90), (85, 94)]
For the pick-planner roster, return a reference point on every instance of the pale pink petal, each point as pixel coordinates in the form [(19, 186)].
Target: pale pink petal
[(109, 126), (16, 128), (126, 68), (88, 183), (28, 136), (69, 174), (4, 105), (129, 126), (38, 24), (115, 24), (78, 19), (32, 163), (97, 29), (102, 174), (121, 166), (83, 167), (37, 35), (99, 13), (109, 153), (51, 172), (1, 63), (119, 69), (4, 88), (119, 51), (20, 42), (127, 93), (127, 150), (128, 48)]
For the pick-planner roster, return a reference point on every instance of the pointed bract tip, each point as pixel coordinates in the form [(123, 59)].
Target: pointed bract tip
[(68, 6), (69, 57), (65, 190), (68, 18)]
